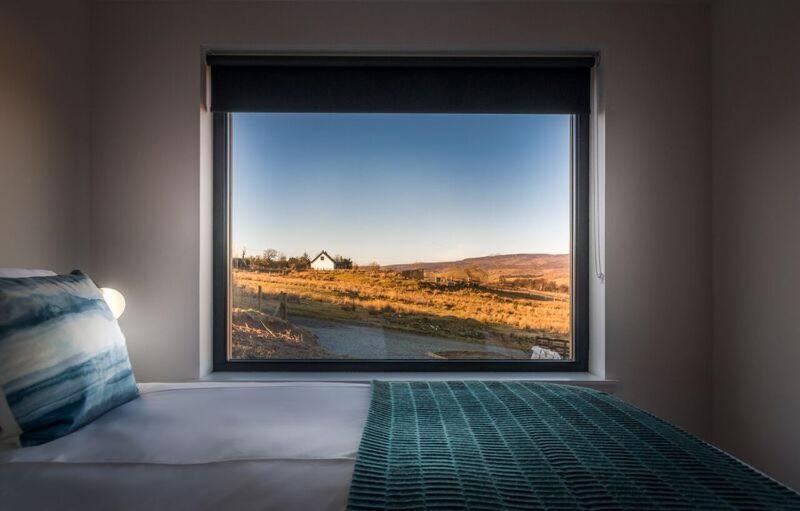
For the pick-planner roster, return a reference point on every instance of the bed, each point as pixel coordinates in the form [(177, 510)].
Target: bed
[(281, 446), (389, 445)]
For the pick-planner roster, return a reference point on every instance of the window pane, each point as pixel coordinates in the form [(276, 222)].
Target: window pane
[(401, 236)]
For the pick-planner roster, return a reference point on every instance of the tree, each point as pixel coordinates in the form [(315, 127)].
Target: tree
[(296, 263), (345, 262), (270, 254)]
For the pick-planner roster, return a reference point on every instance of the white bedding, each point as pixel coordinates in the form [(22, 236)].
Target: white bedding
[(196, 446)]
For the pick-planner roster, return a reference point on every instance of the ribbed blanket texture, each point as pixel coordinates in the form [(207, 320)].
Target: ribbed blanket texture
[(497, 445)]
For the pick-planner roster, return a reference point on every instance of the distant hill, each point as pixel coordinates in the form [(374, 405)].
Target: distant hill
[(551, 266)]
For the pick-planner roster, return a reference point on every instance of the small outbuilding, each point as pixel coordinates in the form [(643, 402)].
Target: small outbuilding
[(414, 273)]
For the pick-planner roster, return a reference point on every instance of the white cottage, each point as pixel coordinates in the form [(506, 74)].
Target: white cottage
[(323, 262)]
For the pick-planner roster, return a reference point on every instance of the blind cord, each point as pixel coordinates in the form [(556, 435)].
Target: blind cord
[(598, 261)]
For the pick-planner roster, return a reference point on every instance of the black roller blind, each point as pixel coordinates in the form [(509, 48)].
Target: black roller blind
[(546, 85)]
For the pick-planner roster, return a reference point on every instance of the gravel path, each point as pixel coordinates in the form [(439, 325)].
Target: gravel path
[(368, 342)]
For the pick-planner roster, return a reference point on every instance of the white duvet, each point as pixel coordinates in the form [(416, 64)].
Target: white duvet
[(197, 446)]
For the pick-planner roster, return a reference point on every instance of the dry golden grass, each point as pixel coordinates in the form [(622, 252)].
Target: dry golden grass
[(259, 336), (373, 296)]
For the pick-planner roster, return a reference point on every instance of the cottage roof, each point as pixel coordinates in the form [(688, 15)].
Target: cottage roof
[(321, 253)]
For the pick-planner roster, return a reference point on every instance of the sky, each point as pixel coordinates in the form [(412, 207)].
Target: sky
[(401, 188)]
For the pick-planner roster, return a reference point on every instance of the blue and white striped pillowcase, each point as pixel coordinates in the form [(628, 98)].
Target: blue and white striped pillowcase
[(63, 359)]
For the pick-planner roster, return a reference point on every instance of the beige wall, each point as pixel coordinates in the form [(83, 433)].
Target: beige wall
[(44, 135), (756, 176), (150, 181)]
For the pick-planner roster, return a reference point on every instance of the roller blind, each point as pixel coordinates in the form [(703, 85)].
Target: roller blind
[(545, 85)]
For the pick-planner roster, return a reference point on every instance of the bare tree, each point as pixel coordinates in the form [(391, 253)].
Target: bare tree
[(270, 254)]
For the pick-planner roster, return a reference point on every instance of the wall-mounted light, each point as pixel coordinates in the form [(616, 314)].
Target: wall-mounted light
[(115, 301)]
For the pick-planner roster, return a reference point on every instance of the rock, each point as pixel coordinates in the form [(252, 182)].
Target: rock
[(539, 353)]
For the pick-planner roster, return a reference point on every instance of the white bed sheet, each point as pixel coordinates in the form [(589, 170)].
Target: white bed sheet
[(197, 446)]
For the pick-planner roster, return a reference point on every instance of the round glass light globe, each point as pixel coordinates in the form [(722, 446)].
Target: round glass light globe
[(115, 301)]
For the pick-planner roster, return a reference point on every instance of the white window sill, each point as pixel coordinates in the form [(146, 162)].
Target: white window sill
[(581, 379)]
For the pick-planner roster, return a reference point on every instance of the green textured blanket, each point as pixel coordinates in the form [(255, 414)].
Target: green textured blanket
[(524, 445)]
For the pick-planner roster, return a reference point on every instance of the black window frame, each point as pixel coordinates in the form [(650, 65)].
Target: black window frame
[(222, 136)]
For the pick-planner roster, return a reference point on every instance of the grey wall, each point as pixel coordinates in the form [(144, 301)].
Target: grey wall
[(756, 176), (150, 171), (127, 167), (44, 135)]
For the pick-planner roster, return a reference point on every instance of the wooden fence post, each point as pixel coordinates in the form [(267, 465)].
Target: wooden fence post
[(259, 298), (282, 312)]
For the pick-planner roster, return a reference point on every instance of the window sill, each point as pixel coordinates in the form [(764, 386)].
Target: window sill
[(581, 379)]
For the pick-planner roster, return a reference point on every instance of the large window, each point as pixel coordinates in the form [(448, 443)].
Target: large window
[(400, 232)]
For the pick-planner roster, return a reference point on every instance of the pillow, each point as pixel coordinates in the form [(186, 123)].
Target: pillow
[(21, 272), (63, 360), (9, 430)]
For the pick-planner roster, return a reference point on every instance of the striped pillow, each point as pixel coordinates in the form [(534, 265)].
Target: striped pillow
[(63, 360)]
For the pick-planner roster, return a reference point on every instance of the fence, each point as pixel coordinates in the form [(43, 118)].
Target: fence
[(560, 346), (261, 301)]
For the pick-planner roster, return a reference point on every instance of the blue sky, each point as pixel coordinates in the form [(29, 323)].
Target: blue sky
[(401, 188)]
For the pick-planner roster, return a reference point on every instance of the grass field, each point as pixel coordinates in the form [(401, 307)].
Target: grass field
[(500, 309)]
